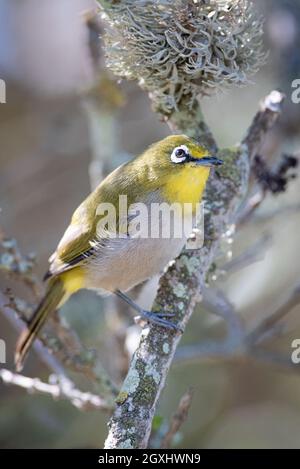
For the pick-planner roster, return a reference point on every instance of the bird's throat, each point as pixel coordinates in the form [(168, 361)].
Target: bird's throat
[(186, 186)]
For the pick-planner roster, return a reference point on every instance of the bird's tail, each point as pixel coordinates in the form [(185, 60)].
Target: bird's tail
[(54, 297)]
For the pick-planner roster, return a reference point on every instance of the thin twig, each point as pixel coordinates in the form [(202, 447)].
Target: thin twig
[(249, 344), (217, 303), (252, 204), (62, 389), (178, 418), (62, 342), (264, 327), (254, 253), (273, 213)]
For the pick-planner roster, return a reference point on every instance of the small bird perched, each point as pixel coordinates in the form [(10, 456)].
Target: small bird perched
[(92, 256)]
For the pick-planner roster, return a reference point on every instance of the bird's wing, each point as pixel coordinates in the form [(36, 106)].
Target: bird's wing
[(76, 244), (83, 237)]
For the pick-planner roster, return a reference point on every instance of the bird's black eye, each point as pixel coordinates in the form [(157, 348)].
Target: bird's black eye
[(180, 154)]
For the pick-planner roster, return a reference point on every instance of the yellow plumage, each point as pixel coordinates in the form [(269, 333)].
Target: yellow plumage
[(186, 187), (73, 281)]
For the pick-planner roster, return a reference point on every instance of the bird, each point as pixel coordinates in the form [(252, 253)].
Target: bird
[(93, 255)]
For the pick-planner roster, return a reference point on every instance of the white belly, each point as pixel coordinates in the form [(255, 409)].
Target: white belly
[(128, 262)]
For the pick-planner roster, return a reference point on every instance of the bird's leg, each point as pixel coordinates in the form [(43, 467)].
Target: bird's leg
[(155, 318)]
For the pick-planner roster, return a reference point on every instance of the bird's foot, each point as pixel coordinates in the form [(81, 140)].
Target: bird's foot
[(159, 319), (149, 316)]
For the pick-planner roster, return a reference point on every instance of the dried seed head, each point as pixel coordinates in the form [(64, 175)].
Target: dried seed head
[(183, 48)]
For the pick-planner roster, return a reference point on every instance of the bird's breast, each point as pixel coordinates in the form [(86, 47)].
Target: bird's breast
[(157, 232)]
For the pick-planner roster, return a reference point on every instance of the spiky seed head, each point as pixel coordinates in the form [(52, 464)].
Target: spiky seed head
[(183, 48)]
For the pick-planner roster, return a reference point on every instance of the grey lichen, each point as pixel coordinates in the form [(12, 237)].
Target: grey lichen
[(127, 444), (231, 169), (152, 372), (179, 290), (234, 177), (132, 382), (191, 264), (183, 48)]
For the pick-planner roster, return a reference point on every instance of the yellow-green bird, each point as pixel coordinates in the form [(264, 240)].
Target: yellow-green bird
[(174, 170)]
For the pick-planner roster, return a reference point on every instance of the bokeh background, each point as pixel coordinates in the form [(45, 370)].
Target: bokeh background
[(46, 157)]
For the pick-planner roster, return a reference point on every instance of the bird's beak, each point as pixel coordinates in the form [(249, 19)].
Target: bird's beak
[(208, 161)]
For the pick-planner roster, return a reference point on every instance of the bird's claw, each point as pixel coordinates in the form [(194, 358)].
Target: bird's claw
[(159, 319), (164, 315)]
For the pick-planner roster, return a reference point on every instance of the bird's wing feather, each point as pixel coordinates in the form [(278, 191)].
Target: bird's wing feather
[(80, 238), (75, 245)]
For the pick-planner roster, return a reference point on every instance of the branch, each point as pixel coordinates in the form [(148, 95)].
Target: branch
[(178, 418), (181, 285), (61, 341), (59, 344), (17, 321), (269, 180), (266, 325), (184, 120), (270, 109), (246, 345), (63, 389), (251, 255), (216, 302)]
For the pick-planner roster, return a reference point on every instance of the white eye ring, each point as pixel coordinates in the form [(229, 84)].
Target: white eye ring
[(180, 159)]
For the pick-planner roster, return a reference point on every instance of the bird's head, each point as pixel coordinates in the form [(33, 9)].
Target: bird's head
[(180, 166), (178, 152)]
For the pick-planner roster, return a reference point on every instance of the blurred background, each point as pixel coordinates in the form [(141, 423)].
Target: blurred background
[(58, 138)]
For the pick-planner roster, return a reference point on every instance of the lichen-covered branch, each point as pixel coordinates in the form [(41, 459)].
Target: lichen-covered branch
[(269, 111), (183, 120), (180, 289)]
